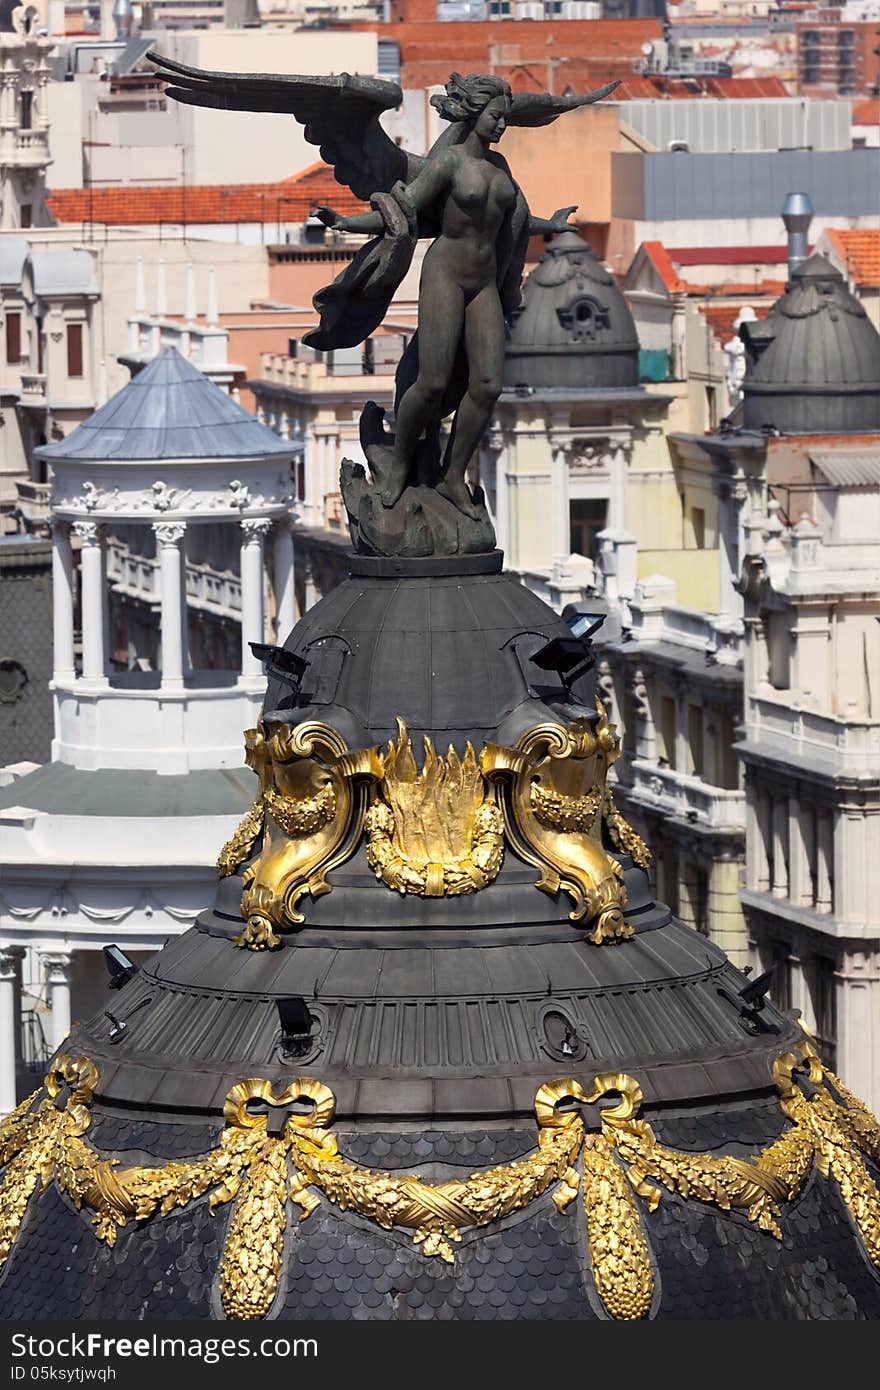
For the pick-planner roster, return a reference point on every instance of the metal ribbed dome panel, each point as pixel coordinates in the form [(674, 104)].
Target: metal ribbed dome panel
[(510, 1121)]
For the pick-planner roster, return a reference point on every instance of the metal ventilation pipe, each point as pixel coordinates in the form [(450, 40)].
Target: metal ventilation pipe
[(797, 214)]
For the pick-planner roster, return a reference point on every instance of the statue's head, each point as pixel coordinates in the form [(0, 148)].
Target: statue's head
[(478, 101)]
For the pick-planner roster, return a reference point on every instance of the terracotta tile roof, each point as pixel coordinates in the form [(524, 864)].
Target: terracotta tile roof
[(722, 317), (583, 52), (731, 88), (662, 263), (867, 112), (859, 250), (291, 200)]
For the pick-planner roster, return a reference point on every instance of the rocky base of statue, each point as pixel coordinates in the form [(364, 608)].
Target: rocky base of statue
[(424, 520)]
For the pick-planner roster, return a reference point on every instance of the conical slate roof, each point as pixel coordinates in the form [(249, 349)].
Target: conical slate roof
[(170, 410), (813, 365), (575, 329)]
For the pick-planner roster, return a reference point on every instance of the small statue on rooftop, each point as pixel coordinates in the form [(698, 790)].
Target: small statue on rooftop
[(463, 196)]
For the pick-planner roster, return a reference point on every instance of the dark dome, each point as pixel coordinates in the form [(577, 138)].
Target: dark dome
[(575, 329), (813, 365), (437, 1036)]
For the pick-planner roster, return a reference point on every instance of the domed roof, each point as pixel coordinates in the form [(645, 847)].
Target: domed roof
[(575, 329), (170, 410), (813, 365)]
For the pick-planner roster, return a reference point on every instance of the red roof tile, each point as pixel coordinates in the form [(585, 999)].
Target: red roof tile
[(681, 88), (662, 263), (859, 250), (867, 112), (291, 200), (722, 317)]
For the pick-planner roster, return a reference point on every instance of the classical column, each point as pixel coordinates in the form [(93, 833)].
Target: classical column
[(58, 974), (501, 498), (764, 811), (253, 531), (617, 500), (93, 600), (824, 861), (319, 503), (313, 593), (779, 887), (62, 600), (331, 476), (169, 535), (285, 609), (561, 532), (9, 959)]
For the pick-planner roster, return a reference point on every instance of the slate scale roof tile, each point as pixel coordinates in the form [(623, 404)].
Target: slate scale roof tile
[(170, 410)]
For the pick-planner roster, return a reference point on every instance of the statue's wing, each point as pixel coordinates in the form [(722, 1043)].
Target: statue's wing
[(540, 108), (340, 115)]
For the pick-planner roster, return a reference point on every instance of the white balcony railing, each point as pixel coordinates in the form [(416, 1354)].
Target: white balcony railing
[(685, 797), (33, 501), (207, 589), (33, 388), (720, 637), (841, 745)]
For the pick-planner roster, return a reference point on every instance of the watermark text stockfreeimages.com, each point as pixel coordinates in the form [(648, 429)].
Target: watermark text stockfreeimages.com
[(96, 1345)]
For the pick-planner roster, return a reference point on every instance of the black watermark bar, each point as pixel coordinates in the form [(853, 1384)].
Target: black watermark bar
[(190, 1354)]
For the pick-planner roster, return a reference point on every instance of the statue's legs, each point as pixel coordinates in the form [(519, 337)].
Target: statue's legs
[(484, 343), (441, 319)]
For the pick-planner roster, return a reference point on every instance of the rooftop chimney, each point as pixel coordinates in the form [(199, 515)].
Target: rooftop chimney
[(797, 214)]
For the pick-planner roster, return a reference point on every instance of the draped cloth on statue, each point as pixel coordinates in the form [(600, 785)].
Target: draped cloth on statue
[(354, 305)]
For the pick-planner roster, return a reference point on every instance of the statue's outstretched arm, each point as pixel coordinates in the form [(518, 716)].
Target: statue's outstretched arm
[(432, 180), (547, 226)]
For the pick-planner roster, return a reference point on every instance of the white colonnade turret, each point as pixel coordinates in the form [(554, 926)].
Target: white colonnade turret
[(171, 525)]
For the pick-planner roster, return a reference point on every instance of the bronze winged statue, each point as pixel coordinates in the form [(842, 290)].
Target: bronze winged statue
[(463, 197)]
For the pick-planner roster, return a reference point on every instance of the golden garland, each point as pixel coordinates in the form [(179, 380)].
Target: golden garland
[(623, 837), (301, 816), (560, 812), (257, 1170)]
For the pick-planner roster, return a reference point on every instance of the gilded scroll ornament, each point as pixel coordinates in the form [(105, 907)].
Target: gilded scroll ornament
[(311, 810), (435, 832), (553, 786)]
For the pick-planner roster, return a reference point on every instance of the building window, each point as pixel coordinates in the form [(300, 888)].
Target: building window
[(698, 892), (711, 407), (586, 520), (300, 479), (25, 109), (13, 337), (74, 349), (668, 729), (698, 522), (26, 215), (780, 988), (695, 738), (824, 991)]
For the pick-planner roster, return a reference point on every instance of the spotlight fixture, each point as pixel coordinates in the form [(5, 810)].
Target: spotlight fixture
[(119, 967), (279, 662), (583, 618), (296, 1026)]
